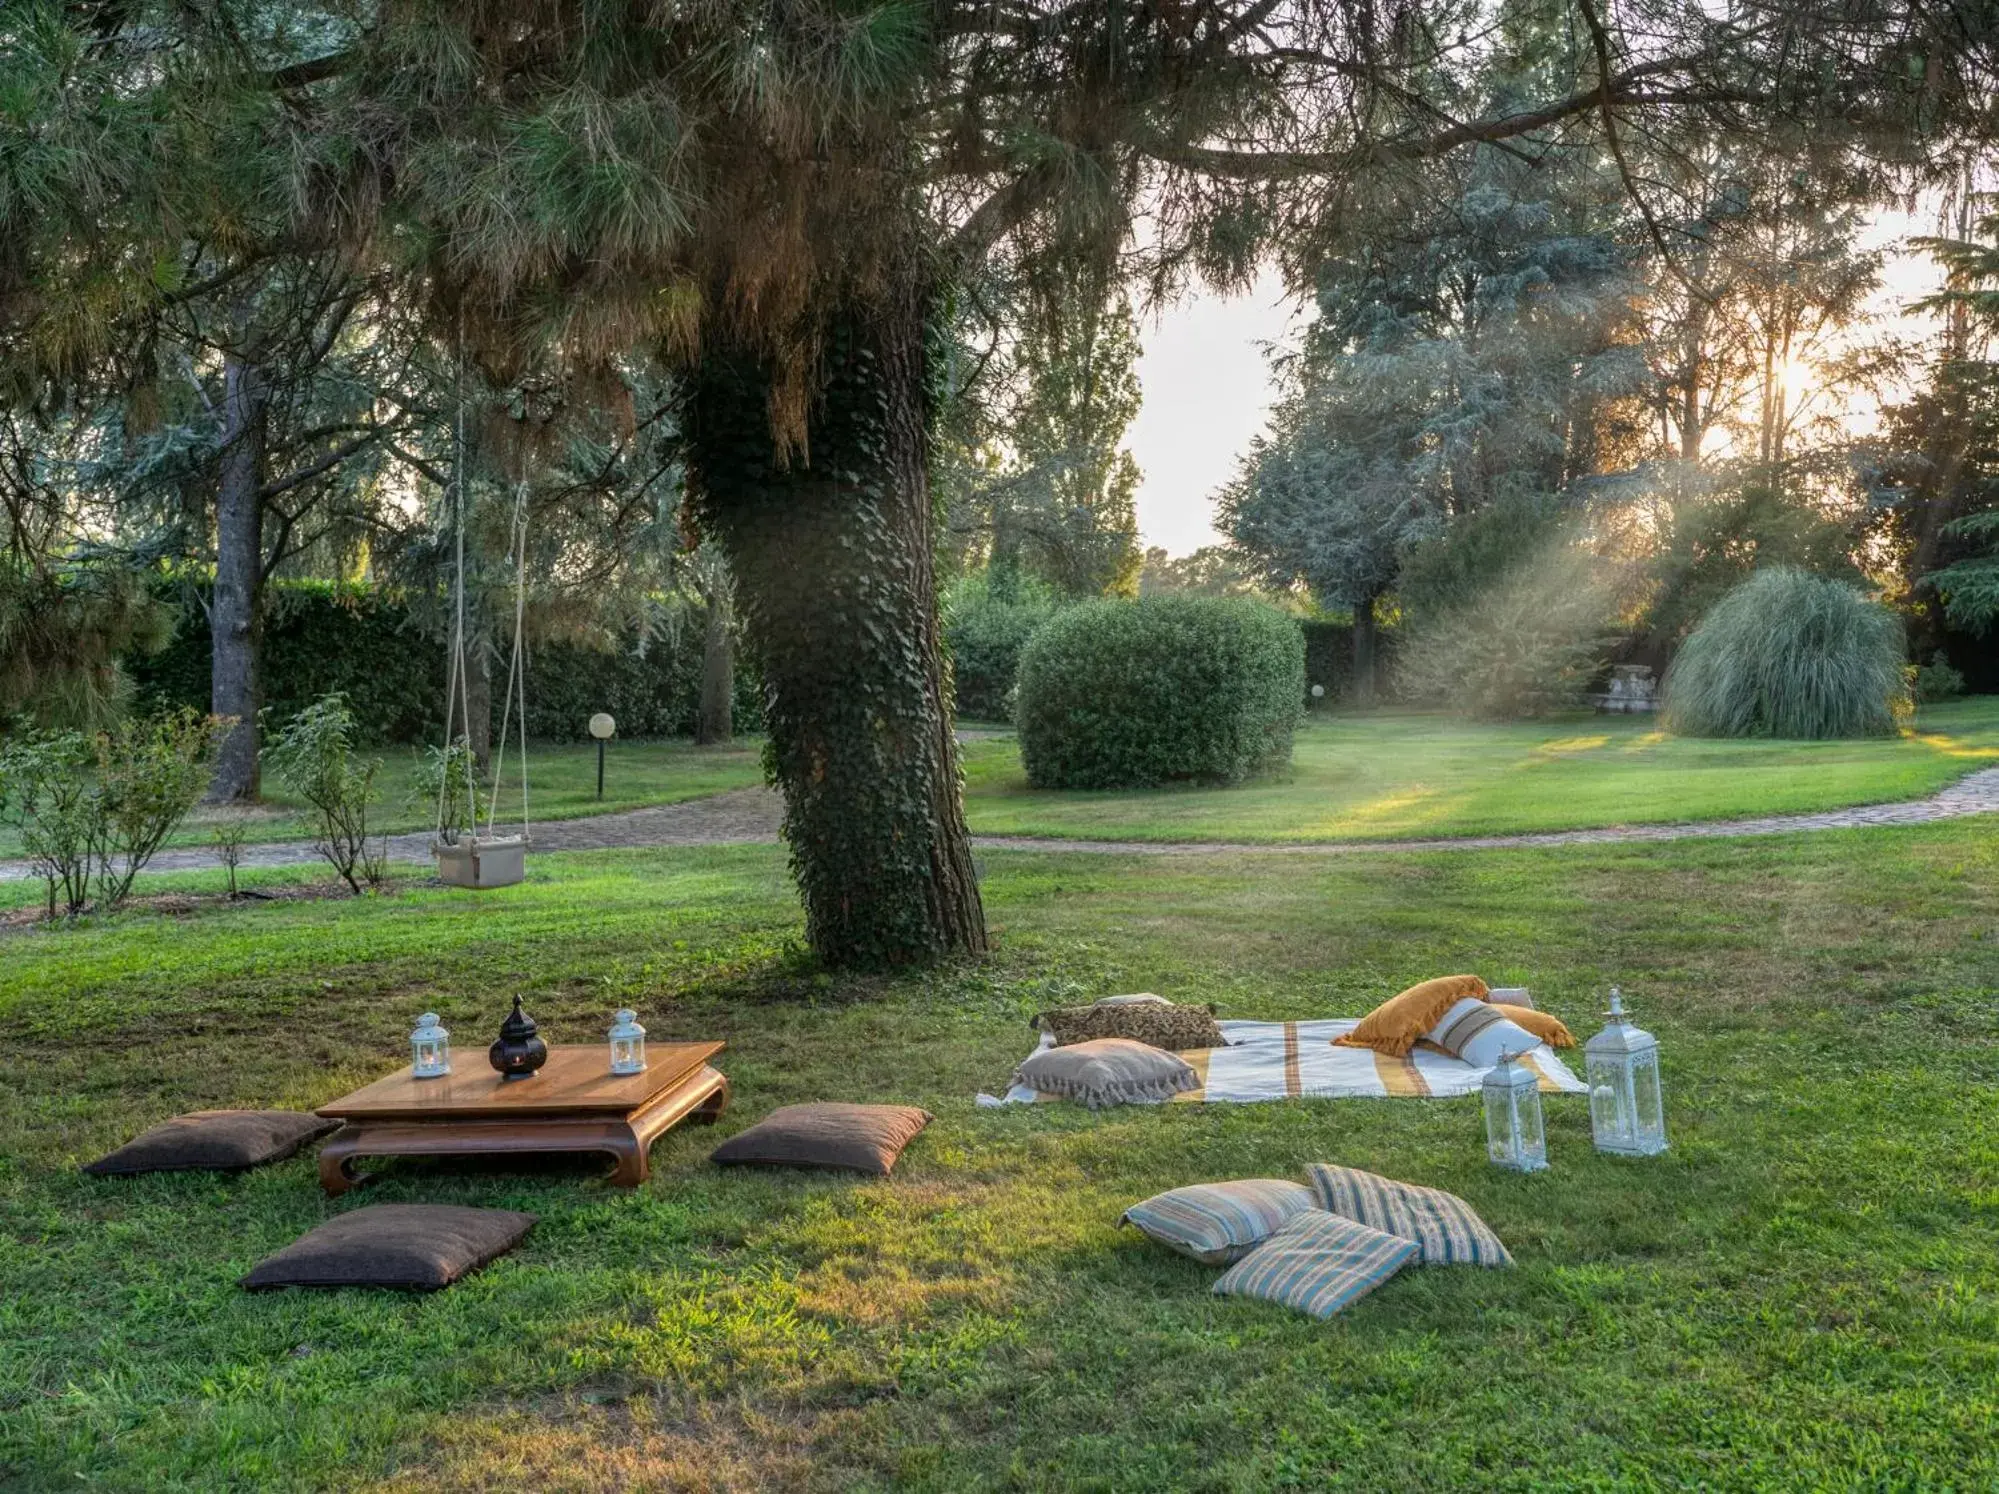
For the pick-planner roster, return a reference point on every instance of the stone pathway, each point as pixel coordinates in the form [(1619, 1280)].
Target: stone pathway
[(750, 817)]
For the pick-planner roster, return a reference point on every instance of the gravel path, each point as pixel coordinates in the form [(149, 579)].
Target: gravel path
[(750, 817)]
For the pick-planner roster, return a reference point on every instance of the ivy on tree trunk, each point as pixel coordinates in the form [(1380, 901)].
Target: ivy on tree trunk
[(832, 551)]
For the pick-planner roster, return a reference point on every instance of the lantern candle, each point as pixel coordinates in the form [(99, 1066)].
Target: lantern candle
[(1514, 1135), (628, 1044), (1627, 1112), (430, 1048)]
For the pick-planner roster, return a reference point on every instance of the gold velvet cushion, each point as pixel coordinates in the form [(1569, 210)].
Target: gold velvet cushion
[(1108, 1071), (214, 1140), (1157, 1024), (1549, 1028), (850, 1138), (1395, 1025)]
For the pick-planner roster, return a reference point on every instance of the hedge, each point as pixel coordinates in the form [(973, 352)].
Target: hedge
[(364, 642), (985, 635), (1117, 694)]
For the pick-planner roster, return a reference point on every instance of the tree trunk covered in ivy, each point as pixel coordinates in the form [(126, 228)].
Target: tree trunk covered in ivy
[(832, 553), (236, 606), (714, 723)]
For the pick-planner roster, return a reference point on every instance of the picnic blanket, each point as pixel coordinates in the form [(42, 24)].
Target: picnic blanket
[(1297, 1061)]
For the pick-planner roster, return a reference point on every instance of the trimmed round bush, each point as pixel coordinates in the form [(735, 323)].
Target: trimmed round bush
[(1167, 689), (1789, 654)]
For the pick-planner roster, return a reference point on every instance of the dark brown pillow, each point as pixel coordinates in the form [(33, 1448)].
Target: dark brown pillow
[(416, 1247), (216, 1140), (861, 1138), (1177, 1029)]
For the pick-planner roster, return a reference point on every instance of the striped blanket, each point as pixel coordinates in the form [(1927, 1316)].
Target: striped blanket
[(1297, 1061)]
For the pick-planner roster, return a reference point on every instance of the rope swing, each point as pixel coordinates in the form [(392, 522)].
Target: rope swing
[(491, 860)]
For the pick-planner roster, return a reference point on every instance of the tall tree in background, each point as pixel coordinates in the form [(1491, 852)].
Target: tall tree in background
[(1475, 358), (1060, 501)]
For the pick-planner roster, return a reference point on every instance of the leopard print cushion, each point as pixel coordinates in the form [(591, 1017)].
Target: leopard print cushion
[(1177, 1029)]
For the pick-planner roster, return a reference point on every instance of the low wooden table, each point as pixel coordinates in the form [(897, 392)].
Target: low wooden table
[(574, 1104)]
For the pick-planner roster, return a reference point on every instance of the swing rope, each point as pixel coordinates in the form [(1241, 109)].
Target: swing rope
[(457, 688), (516, 667)]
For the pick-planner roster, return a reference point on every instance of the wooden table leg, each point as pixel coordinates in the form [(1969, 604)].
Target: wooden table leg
[(336, 1162)]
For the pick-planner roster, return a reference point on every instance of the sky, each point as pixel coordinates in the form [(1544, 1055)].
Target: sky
[(1207, 390)]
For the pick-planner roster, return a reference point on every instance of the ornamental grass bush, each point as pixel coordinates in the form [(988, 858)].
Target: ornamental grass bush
[(1789, 654), (1166, 689), (1527, 644)]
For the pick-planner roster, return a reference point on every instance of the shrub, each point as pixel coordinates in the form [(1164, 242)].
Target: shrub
[(150, 773), (45, 780), (1936, 681), (1166, 689), (446, 784), (986, 632), (314, 757), (1526, 645), (1788, 654), (92, 810)]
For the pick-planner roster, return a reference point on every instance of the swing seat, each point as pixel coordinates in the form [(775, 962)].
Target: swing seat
[(472, 862)]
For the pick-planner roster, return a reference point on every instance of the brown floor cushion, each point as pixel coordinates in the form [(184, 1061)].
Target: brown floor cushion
[(416, 1247), (215, 1140), (857, 1138)]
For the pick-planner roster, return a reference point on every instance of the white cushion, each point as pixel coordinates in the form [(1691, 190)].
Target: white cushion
[(1473, 1031)]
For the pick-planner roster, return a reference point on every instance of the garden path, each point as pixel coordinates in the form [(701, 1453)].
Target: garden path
[(750, 816)]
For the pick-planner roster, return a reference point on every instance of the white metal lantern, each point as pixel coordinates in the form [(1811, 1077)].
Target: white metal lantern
[(1627, 1114), (628, 1044), (430, 1048), (1514, 1135)]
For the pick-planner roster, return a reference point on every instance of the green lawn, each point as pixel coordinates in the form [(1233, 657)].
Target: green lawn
[(562, 784), (1803, 1294), (1401, 773)]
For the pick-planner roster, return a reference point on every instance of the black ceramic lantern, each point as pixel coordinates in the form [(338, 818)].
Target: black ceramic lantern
[(519, 1052)]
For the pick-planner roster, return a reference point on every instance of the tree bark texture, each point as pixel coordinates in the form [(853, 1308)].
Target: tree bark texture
[(832, 554), (714, 723), (236, 607)]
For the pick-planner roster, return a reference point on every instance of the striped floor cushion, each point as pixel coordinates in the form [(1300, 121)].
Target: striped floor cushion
[(1445, 1228), (1219, 1223), (1318, 1263)]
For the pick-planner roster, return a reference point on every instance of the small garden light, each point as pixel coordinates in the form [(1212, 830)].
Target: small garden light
[(430, 1048), (603, 728), (1627, 1114), (628, 1043), (1515, 1137)]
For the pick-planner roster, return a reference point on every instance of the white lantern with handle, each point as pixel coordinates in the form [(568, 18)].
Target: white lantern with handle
[(430, 1048), (628, 1043), (1515, 1137), (1627, 1113)]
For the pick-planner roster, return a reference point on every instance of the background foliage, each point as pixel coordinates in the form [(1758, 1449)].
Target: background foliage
[(377, 648)]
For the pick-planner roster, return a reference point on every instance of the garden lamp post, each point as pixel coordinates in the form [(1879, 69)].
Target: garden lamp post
[(1515, 1137), (1627, 1114), (603, 728)]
